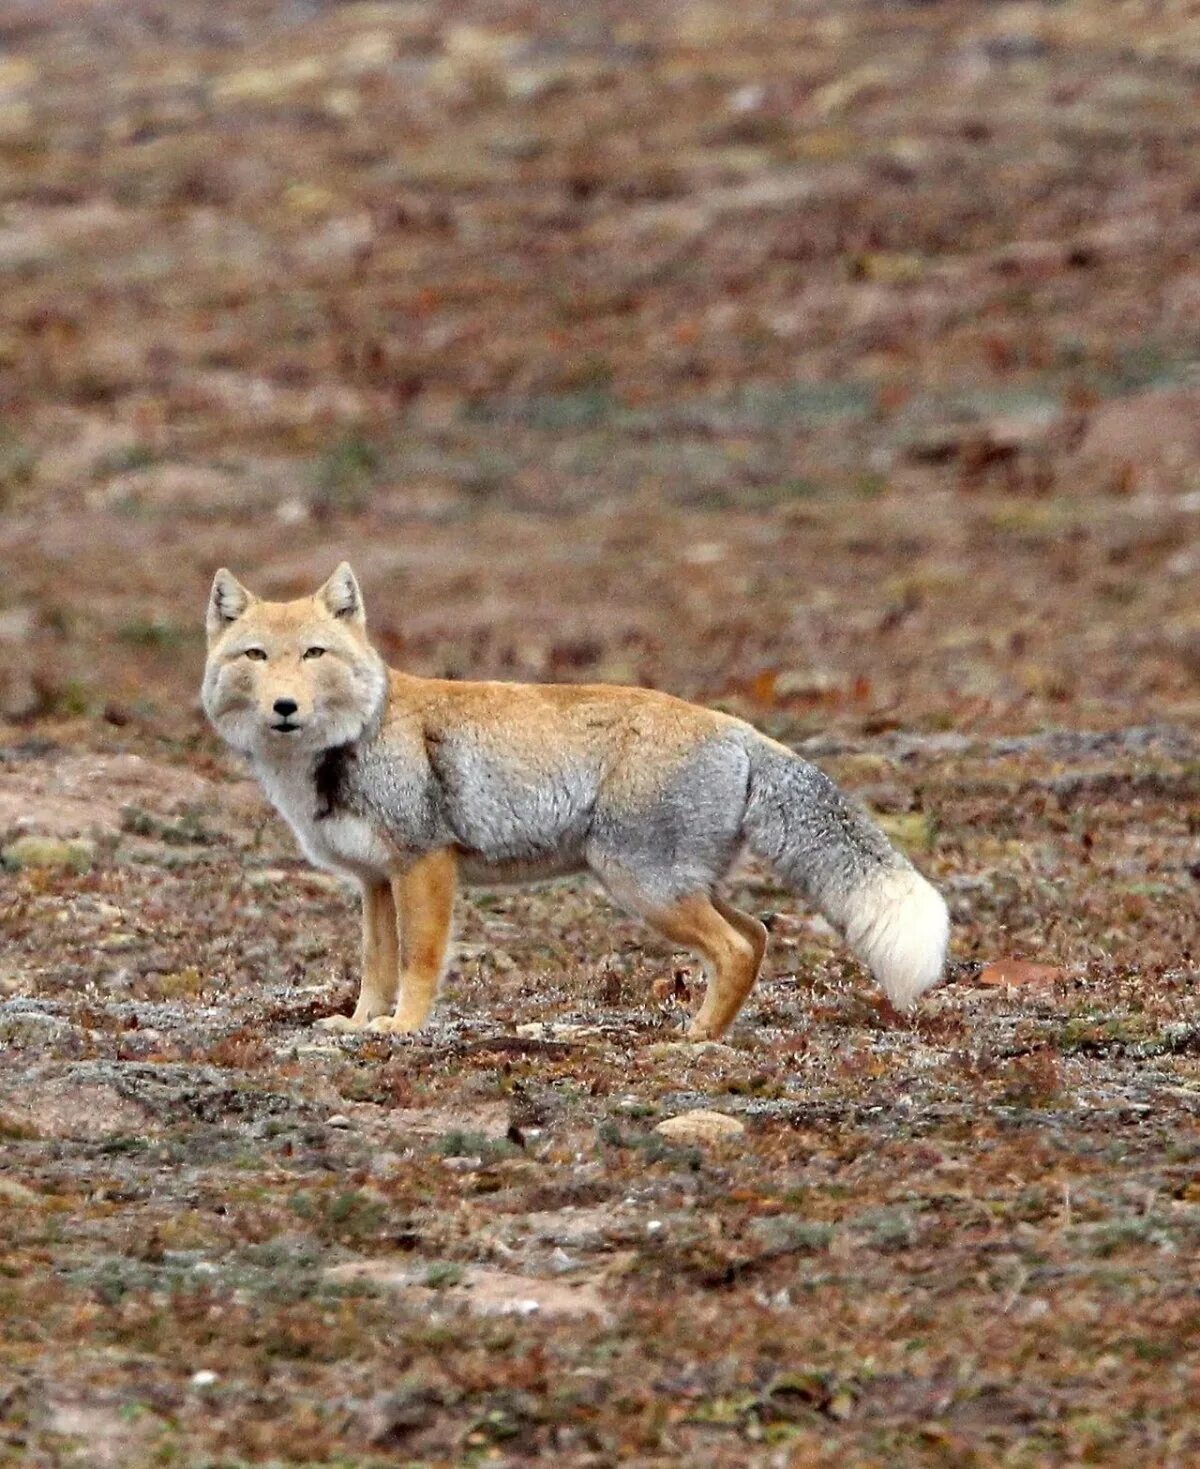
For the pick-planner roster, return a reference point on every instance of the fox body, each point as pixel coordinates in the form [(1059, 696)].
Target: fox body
[(410, 785)]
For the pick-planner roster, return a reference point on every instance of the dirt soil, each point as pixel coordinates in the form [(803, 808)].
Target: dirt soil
[(837, 364)]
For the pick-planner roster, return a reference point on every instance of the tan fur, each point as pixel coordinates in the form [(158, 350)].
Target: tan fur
[(425, 902), (520, 780), (573, 718), (731, 945)]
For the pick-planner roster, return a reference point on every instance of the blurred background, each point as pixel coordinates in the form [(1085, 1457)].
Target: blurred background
[(835, 362)]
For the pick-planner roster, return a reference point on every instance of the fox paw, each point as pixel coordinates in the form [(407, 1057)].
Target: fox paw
[(393, 1025), (341, 1022)]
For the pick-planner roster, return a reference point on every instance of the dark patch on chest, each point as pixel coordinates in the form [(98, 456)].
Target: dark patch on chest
[(331, 779)]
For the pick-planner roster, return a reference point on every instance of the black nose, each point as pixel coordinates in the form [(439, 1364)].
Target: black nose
[(285, 708)]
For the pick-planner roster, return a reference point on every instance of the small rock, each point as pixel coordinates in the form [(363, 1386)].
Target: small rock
[(805, 683), (1143, 435), (292, 511), (539, 1030), (368, 51), (747, 99), (23, 1020), (76, 853), (203, 1378), (339, 1119), (266, 877), (534, 1030), (700, 1127)]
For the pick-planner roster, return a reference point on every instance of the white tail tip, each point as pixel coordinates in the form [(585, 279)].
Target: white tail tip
[(899, 927)]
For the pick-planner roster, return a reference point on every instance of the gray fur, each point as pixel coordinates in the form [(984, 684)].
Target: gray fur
[(500, 812), (684, 840), (510, 823), (815, 836)]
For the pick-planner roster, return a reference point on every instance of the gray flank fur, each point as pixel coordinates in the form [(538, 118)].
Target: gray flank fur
[(736, 788), (681, 842)]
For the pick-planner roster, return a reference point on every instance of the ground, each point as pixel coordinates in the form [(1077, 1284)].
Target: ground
[(835, 364)]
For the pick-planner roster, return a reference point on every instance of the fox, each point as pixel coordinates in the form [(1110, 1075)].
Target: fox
[(412, 786)]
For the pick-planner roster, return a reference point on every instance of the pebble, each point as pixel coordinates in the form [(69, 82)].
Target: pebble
[(700, 1127), (339, 1119), (266, 877)]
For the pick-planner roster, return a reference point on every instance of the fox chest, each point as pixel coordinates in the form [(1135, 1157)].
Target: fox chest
[(335, 838), (344, 843)]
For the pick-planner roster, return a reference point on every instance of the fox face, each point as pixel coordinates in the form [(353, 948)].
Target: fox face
[(288, 678)]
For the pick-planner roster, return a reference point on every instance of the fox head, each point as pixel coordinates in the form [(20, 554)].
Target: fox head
[(288, 678)]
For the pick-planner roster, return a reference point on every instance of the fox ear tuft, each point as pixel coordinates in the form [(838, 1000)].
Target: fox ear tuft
[(227, 601), (341, 596)]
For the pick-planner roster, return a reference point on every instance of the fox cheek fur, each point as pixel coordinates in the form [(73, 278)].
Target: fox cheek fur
[(338, 697), (229, 701)]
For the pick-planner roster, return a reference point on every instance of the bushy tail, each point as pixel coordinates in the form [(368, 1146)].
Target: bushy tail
[(826, 846)]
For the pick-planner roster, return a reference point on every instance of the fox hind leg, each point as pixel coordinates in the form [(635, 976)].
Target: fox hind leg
[(748, 926), (731, 945), (380, 961)]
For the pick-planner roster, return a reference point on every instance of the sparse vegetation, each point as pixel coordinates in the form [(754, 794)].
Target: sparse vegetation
[(156, 633), (835, 364), (345, 476)]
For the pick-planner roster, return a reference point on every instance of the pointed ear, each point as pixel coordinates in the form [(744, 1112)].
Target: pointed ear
[(226, 602), (341, 597)]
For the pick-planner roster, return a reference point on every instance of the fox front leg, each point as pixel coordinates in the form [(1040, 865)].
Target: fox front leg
[(424, 897), (380, 961)]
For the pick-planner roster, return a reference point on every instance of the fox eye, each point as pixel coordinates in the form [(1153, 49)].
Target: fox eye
[(258, 654), (314, 652)]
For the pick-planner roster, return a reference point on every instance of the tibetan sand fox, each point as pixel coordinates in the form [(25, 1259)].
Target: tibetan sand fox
[(411, 785)]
